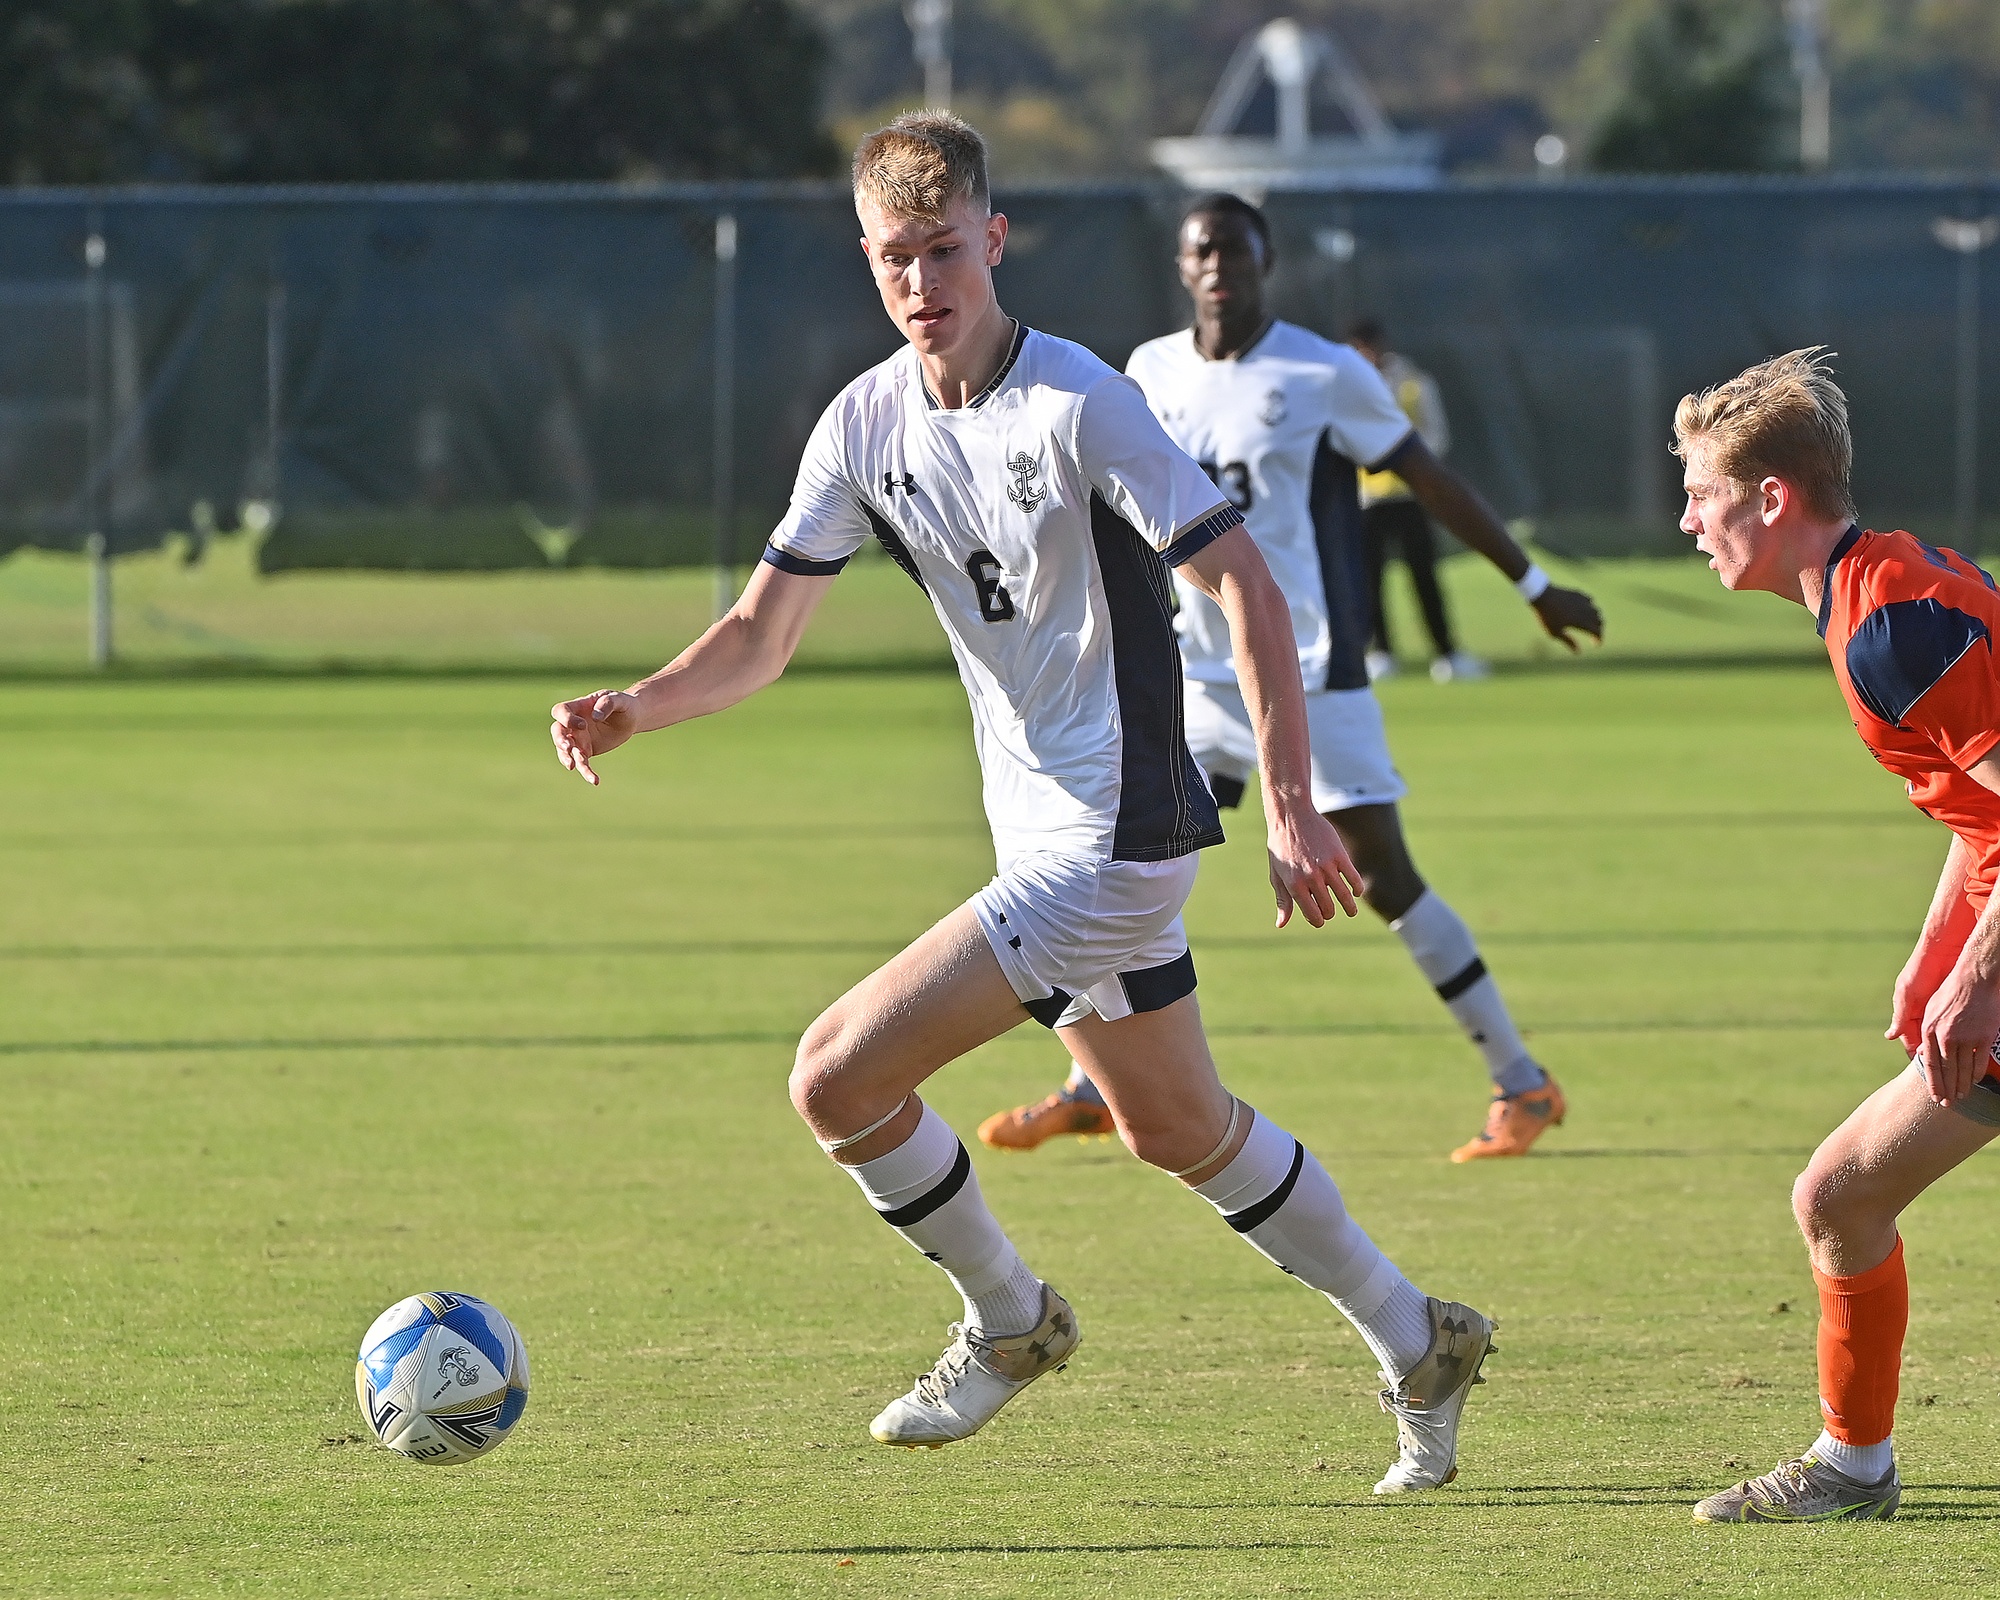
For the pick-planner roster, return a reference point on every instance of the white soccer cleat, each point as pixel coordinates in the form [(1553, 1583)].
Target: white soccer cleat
[(1380, 665), (975, 1377), (1428, 1403)]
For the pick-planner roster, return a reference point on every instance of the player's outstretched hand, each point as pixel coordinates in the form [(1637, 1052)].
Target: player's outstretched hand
[(587, 727), (1564, 609), (1960, 1024), (1310, 867)]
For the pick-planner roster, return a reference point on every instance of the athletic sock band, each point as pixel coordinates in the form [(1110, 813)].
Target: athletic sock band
[(926, 1190), (1281, 1200), (1441, 945)]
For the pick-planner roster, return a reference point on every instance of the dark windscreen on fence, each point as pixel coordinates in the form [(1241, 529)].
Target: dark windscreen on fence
[(522, 377)]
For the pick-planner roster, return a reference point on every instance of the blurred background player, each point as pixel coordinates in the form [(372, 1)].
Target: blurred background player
[(1911, 631), (1282, 419), (1026, 487), (1393, 519)]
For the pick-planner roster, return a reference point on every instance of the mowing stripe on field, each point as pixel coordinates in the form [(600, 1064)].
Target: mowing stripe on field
[(1265, 943), (627, 1041)]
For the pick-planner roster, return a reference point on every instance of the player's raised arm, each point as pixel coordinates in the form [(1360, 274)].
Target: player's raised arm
[(735, 658), (1456, 504), (1310, 867)]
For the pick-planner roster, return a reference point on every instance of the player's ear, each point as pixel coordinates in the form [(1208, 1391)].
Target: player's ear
[(1774, 495), (996, 238)]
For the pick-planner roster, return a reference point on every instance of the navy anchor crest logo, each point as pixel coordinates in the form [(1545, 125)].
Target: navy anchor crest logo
[(1023, 490)]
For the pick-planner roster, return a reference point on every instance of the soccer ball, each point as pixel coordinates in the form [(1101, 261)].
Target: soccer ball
[(442, 1378)]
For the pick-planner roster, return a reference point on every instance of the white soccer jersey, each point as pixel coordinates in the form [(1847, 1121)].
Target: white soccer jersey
[(1041, 520), (1282, 428)]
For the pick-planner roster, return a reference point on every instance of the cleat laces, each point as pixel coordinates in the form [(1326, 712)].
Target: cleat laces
[(934, 1386)]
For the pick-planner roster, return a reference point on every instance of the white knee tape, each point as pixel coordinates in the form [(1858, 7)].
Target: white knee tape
[(829, 1146), (1228, 1133)]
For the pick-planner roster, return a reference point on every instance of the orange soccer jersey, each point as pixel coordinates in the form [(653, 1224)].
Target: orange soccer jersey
[(1911, 633)]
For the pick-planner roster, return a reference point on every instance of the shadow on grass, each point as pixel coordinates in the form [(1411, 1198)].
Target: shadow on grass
[(677, 1041), (1135, 1548), (227, 669), (581, 948)]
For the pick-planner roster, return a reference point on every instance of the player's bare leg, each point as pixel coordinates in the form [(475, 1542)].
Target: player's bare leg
[(1895, 1145), (855, 1081), (1171, 1109)]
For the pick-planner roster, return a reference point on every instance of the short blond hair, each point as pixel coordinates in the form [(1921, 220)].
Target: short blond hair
[(1784, 418), (920, 164)]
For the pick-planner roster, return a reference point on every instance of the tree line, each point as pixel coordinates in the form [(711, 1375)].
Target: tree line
[(248, 91)]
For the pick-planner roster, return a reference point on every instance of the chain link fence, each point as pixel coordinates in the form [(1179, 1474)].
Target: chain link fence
[(526, 377)]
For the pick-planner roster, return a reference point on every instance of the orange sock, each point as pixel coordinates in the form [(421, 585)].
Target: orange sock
[(1862, 1321)]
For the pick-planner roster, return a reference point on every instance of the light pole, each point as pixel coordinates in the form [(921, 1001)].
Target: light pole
[(930, 41), (722, 481), (1805, 21), (94, 543), (1967, 237)]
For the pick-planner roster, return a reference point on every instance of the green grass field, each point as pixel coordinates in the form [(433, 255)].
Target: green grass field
[(221, 616), (317, 992)]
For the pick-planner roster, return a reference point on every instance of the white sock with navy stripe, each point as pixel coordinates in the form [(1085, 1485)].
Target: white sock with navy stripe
[(926, 1190), (1280, 1198), (1441, 945)]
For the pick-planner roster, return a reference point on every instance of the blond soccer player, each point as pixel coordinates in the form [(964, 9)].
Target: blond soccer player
[(1910, 630), (1031, 493)]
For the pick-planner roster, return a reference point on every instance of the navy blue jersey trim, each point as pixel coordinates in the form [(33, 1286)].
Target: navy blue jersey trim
[(799, 566), (1256, 339), (1901, 650), (931, 1199), (1848, 540), (1049, 1012), (1267, 1208), (1228, 791), (1191, 541), (993, 383), (892, 541), (1164, 808), (1343, 567), (1388, 462), (1156, 988)]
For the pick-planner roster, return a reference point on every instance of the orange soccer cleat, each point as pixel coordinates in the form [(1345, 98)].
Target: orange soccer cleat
[(1513, 1123), (1027, 1126)]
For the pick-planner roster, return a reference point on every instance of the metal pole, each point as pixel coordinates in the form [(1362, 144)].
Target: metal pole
[(94, 542), (274, 388), (1967, 238), (1966, 500), (1806, 22), (930, 41), (723, 474)]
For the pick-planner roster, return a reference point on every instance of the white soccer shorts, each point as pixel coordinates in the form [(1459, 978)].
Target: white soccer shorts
[(1350, 746), (1076, 936)]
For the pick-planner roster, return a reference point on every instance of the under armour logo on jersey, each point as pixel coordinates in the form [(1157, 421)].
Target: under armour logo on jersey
[(1022, 491), (1272, 412), (891, 483)]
